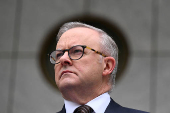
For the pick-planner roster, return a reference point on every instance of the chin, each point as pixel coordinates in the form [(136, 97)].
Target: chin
[(67, 83), (68, 86)]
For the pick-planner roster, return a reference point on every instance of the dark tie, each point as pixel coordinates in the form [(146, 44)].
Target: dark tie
[(83, 109)]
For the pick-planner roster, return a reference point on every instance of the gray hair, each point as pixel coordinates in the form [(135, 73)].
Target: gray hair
[(108, 46)]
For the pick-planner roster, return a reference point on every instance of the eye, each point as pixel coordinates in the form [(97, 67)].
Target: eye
[(59, 55), (77, 51)]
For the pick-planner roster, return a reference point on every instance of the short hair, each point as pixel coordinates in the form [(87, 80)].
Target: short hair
[(108, 45)]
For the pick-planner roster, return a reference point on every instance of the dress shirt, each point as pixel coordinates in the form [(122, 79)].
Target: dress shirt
[(98, 104)]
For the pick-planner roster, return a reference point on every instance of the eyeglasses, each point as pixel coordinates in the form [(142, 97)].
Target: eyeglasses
[(74, 53)]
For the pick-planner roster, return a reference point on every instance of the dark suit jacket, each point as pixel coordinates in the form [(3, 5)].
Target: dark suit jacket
[(113, 107)]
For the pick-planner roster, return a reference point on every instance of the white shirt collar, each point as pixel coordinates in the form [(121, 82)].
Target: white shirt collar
[(99, 104)]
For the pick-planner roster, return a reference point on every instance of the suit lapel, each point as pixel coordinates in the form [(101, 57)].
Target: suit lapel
[(113, 107)]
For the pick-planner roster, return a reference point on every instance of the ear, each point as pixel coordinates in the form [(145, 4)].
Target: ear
[(109, 65)]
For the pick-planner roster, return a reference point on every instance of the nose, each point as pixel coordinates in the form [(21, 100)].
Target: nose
[(65, 59)]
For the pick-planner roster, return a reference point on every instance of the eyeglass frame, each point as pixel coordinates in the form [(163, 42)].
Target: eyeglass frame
[(83, 46)]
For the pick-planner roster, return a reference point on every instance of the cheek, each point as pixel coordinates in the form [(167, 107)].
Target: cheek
[(89, 65), (87, 69), (80, 69)]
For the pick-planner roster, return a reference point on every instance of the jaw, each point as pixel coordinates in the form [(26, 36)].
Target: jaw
[(82, 95)]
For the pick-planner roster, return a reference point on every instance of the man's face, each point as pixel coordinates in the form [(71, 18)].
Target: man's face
[(85, 73)]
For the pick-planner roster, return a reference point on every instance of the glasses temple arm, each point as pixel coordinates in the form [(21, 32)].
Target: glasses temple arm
[(96, 51)]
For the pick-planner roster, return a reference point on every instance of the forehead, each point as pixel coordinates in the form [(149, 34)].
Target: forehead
[(79, 36)]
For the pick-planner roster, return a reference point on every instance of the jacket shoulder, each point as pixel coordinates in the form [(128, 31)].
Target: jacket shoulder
[(116, 108), (63, 110), (129, 110)]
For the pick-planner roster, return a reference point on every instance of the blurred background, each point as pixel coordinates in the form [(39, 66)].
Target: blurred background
[(27, 33)]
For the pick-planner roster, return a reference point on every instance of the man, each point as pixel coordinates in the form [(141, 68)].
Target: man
[(86, 61)]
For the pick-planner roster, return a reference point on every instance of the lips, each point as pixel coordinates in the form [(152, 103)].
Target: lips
[(66, 71)]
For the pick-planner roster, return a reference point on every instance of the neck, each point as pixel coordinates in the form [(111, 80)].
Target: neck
[(83, 96)]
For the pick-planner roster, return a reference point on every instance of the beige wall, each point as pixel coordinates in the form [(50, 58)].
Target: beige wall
[(25, 23)]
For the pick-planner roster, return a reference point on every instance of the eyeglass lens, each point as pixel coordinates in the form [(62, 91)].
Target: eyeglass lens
[(75, 53)]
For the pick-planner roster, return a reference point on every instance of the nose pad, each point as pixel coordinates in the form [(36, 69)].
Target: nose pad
[(65, 59)]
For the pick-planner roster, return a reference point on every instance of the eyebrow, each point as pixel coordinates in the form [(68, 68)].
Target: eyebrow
[(68, 48), (58, 49)]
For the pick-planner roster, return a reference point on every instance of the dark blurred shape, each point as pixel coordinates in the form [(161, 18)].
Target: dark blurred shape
[(49, 45)]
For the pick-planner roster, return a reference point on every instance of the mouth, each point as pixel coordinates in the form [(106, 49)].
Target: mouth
[(65, 72)]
